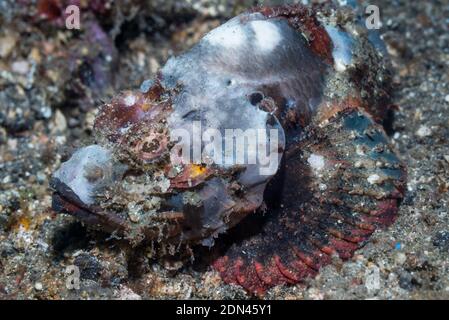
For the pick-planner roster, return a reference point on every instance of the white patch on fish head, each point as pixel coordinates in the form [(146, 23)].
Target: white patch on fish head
[(229, 35), (266, 34)]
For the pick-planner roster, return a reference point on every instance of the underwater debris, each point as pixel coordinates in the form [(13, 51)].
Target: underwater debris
[(290, 72)]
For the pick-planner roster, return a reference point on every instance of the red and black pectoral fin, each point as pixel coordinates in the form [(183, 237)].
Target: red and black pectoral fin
[(336, 188)]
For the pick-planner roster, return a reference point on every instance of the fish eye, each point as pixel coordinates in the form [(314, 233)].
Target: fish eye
[(151, 146)]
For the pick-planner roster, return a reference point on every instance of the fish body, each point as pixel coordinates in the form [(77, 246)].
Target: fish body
[(304, 94)]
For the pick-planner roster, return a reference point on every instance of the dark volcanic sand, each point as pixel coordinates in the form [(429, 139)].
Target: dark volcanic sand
[(39, 121)]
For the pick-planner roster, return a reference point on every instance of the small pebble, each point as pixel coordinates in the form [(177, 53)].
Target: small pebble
[(7, 44), (441, 240), (323, 187), (373, 179), (60, 121), (400, 258), (46, 112), (20, 67), (38, 286), (423, 131), (406, 281)]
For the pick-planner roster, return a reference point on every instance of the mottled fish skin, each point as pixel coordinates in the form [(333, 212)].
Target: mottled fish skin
[(322, 87), (338, 187)]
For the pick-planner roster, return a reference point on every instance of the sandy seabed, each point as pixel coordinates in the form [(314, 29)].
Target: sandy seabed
[(47, 107)]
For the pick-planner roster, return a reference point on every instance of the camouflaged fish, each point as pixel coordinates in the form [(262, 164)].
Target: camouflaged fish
[(316, 77)]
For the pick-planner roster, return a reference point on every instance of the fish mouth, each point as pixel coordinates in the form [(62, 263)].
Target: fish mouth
[(65, 201)]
